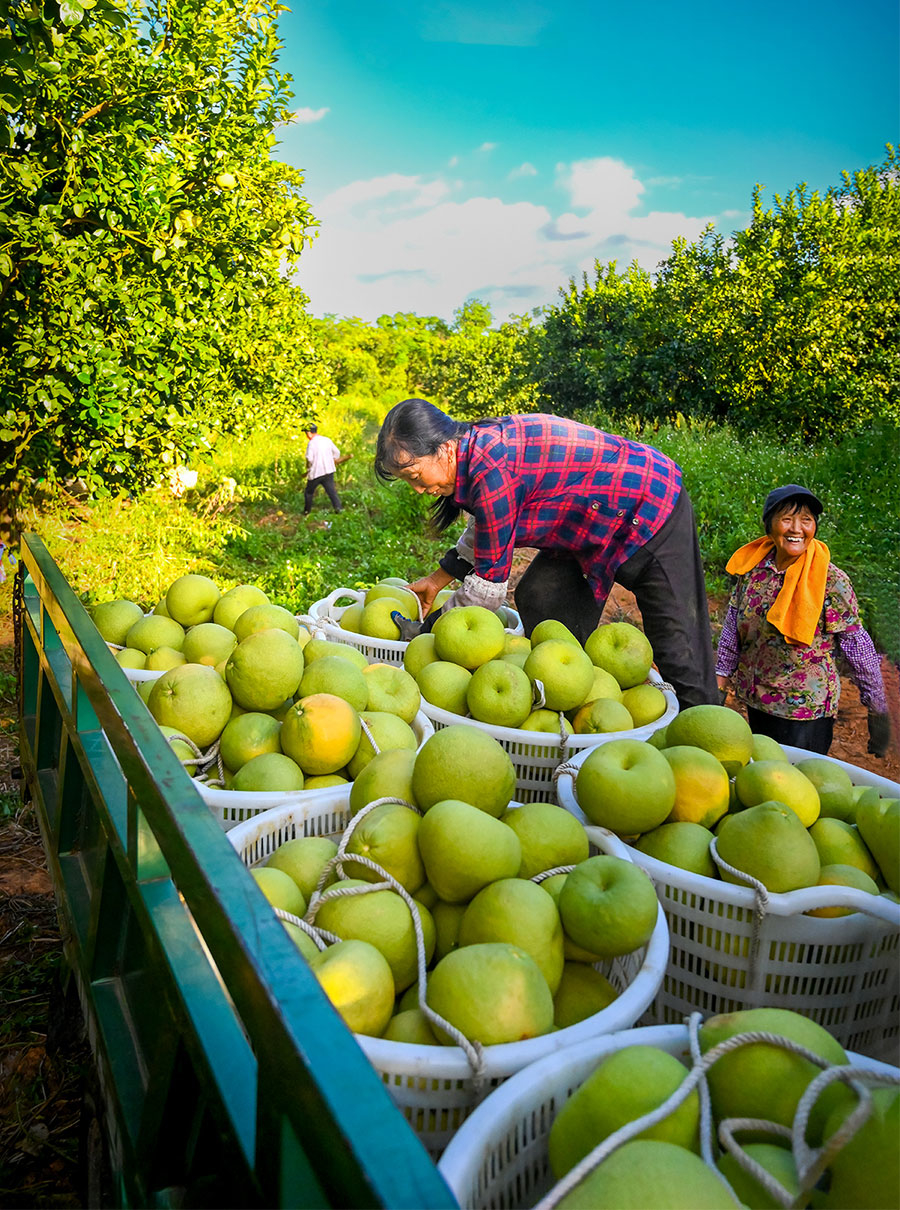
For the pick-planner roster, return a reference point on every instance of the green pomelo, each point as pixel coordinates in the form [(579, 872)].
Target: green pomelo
[(115, 618), (564, 670), (658, 738), (338, 676), (777, 1161), (445, 685), (182, 750), (549, 835), (603, 717), (684, 844), (250, 734), (645, 704), (463, 762), (608, 906), (266, 617), (492, 993), (392, 690), (143, 688), (387, 775), (770, 843), (762, 1079), (626, 785), (833, 784), (464, 849), (155, 631), (447, 919), (866, 1172), (160, 608), (192, 599), (388, 835), (164, 658), (388, 731), (550, 628), (878, 820), (351, 617), (304, 943), (231, 604), (131, 657), (208, 643), (419, 652), (267, 772), (605, 685), (521, 913), (280, 890), (624, 1086), (583, 992), (843, 876), (325, 781), (303, 859), (412, 1026), (766, 748), (264, 669), (573, 953), (469, 635), (647, 1174), (317, 649), (718, 729), (778, 781), (357, 980), (840, 843), (194, 700)]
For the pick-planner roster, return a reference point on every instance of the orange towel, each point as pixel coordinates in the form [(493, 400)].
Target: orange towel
[(796, 610)]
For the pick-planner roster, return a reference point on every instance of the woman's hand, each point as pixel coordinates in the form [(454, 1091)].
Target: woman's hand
[(428, 587), (722, 682)]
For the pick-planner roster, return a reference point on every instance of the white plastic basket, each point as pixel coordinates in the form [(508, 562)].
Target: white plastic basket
[(234, 806), (498, 1158), (843, 972), (433, 1085), (324, 619), (536, 755), (138, 675)]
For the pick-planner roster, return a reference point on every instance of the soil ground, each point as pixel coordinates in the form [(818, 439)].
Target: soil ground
[(41, 1081)]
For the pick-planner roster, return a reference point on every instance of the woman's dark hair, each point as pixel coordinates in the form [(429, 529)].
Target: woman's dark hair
[(412, 430)]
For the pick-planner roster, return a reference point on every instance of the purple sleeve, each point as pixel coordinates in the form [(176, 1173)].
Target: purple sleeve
[(864, 664), (728, 650)]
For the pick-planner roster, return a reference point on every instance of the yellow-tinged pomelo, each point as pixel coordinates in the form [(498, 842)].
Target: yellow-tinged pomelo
[(350, 618), (249, 734), (582, 992), (774, 780), (231, 604), (447, 919), (155, 631), (387, 775), (267, 772), (777, 1161), (357, 980), (338, 676), (604, 685), (266, 617), (383, 919), (164, 658), (645, 704), (766, 748), (388, 835), (701, 785), (392, 690), (182, 750), (718, 729), (208, 643), (320, 733), (866, 1171), (317, 649), (843, 876), (387, 730), (622, 1087), (550, 836), (516, 644), (193, 699), (131, 657), (626, 785), (466, 763), (115, 618), (376, 621), (564, 670), (192, 599), (622, 650), (411, 1025), (839, 843), (683, 844), (304, 859), (770, 843), (602, 717), (550, 628), (648, 1173), (464, 849), (407, 602), (304, 943), (419, 652), (833, 785), (762, 1079), (551, 722), (160, 608), (521, 913), (280, 890), (608, 906), (264, 669), (324, 781), (492, 993)]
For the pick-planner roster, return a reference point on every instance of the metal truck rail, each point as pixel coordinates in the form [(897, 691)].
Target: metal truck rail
[(227, 1078)]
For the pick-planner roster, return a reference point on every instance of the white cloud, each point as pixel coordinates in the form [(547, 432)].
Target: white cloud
[(508, 23), (305, 115), (525, 169), (488, 147), (412, 243)]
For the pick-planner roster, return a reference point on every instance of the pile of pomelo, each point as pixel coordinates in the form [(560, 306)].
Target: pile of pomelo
[(705, 774), (371, 616), (470, 666), (289, 712), (509, 955), (660, 1165)]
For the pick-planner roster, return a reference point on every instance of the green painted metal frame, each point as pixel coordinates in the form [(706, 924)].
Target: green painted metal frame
[(228, 1079)]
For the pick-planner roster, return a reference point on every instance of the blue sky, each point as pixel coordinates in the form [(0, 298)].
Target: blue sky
[(495, 149)]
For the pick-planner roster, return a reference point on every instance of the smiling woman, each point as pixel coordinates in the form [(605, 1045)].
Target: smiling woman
[(792, 613)]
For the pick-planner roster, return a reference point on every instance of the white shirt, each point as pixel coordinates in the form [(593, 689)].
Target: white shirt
[(320, 456)]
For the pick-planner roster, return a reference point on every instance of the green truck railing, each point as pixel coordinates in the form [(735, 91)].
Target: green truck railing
[(227, 1078)]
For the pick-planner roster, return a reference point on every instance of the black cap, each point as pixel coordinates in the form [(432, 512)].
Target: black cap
[(311, 428), (791, 491)]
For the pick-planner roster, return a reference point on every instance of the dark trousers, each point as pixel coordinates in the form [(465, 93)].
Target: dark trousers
[(813, 734), (326, 482), (666, 577)]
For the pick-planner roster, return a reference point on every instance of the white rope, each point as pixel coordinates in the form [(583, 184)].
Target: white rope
[(319, 936), (755, 990)]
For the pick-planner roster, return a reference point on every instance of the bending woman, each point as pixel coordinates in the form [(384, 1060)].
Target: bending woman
[(598, 508), (792, 614)]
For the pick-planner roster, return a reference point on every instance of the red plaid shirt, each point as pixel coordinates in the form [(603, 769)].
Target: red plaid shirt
[(542, 481)]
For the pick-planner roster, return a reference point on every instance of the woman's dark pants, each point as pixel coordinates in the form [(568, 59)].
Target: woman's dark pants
[(812, 734)]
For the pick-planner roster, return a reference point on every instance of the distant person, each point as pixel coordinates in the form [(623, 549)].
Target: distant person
[(322, 456), (601, 509), (791, 616)]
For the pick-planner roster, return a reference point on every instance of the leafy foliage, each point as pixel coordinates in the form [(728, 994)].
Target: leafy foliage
[(145, 231)]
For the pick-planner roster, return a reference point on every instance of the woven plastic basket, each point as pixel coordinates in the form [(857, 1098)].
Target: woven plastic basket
[(843, 972), (536, 755), (434, 1085), (498, 1158), (324, 620), (234, 806)]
